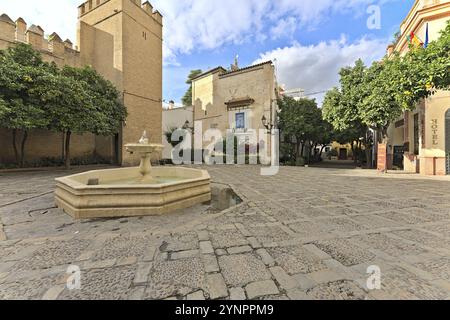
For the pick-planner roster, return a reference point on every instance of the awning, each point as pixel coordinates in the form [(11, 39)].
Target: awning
[(239, 102)]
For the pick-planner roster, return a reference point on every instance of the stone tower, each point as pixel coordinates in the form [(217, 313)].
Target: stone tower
[(122, 40)]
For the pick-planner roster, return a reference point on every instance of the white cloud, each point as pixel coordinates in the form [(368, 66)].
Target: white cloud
[(315, 68), (191, 25), (58, 16), (284, 28)]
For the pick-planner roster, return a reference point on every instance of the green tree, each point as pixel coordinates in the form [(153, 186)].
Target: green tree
[(69, 107), (419, 73), (379, 106), (80, 100), (108, 110), (302, 126), (354, 136), (374, 97), (21, 110), (342, 107), (187, 98), (35, 94)]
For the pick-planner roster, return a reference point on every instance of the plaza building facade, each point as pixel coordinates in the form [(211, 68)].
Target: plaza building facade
[(237, 99), (175, 118), (122, 40), (419, 142)]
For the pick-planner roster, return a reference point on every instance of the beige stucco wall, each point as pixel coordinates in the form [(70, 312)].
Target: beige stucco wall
[(205, 109), (122, 40), (211, 92), (258, 84), (433, 12), (43, 144), (432, 153), (174, 118), (132, 35), (435, 110)]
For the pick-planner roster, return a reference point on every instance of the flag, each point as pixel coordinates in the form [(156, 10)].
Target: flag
[(427, 38), (413, 39)]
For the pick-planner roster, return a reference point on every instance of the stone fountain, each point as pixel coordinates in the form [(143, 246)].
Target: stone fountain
[(137, 191), (145, 150)]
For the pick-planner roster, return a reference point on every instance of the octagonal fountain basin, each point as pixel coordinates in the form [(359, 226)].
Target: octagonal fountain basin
[(124, 192)]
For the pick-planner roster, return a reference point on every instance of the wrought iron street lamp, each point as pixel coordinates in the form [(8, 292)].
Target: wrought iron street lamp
[(267, 124)]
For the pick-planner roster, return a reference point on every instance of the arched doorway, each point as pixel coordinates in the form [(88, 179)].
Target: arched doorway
[(447, 140)]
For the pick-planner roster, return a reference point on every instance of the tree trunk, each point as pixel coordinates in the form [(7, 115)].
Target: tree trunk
[(309, 151), (16, 152), (67, 150), (63, 145), (369, 164), (22, 148), (358, 150), (355, 158), (319, 155), (303, 150), (315, 152), (384, 135), (297, 151)]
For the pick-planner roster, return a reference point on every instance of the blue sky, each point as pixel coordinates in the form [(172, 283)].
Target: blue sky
[(311, 39), (348, 26)]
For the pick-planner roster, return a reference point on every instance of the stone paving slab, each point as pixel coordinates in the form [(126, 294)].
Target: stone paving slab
[(289, 239)]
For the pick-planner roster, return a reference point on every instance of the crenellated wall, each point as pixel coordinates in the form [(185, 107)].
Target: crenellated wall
[(122, 40), (91, 5), (52, 48)]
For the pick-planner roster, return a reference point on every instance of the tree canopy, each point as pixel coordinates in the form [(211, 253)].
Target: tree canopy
[(35, 94), (21, 71), (375, 96), (187, 98), (301, 123)]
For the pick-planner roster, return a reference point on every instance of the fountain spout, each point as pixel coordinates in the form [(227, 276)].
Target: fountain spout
[(145, 150), (144, 139)]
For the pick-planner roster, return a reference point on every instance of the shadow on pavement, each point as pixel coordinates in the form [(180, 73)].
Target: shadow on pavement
[(335, 164)]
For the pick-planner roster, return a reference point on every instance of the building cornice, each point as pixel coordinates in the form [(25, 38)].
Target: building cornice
[(417, 17), (212, 71), (246, 69)]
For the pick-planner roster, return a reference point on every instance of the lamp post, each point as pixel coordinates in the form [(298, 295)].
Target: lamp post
[(186, 125), (267, 124)]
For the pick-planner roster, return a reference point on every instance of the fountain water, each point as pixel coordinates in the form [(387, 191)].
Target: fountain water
[(140, 191)]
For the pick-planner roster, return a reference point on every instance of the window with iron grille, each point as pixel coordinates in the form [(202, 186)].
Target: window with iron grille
[(240, 120)]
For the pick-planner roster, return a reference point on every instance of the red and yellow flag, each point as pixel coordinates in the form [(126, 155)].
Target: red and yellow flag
[(414, 40)]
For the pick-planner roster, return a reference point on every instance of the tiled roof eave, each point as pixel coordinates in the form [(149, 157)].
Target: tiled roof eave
[(246, 68)]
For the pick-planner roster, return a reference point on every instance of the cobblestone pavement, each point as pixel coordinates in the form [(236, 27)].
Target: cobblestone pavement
[(302, 234)]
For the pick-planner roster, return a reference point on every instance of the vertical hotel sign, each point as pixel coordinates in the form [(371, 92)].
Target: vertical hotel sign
[(434, 131)]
